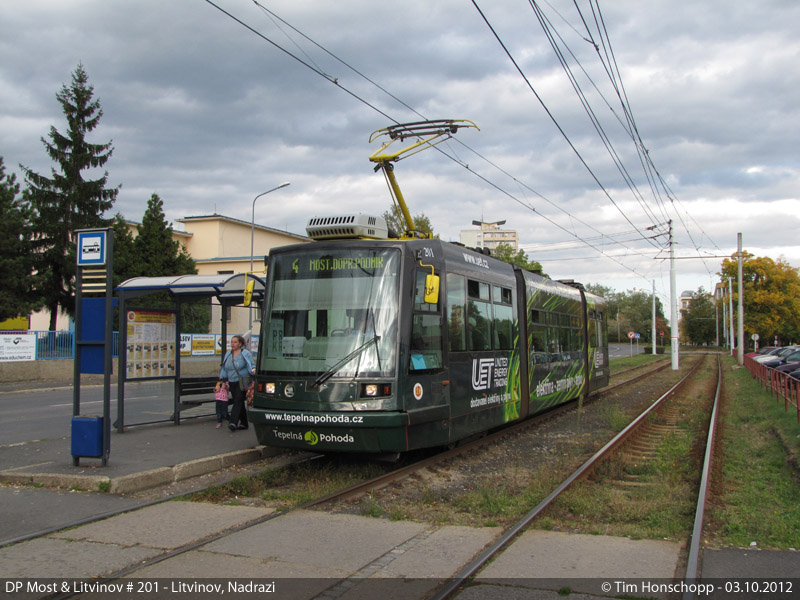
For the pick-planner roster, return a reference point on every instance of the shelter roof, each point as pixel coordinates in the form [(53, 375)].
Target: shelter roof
[(228, 288)]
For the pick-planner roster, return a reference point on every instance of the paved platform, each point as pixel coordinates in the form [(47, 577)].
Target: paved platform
[(140, 457), (309, 553)]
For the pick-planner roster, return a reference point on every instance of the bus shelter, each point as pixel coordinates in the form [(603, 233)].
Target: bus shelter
[(150, 339)]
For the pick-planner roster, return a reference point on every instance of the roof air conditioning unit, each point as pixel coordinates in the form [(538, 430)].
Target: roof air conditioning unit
[(345, 227)]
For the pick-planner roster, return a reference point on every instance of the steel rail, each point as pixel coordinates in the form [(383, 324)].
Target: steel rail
[(692, 564)]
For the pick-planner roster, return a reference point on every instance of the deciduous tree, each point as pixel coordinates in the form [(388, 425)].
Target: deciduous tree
[(395, 222), (698, 321), (630, 311), (771, 296), (506, 253)]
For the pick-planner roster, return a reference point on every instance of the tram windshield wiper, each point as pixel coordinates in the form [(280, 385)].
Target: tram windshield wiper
[(323, 377)]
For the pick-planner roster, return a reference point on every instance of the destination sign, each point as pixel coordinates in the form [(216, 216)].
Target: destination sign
[(346, 264)]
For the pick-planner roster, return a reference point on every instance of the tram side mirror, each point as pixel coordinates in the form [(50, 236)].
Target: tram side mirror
[(248, 292), (432, 289)]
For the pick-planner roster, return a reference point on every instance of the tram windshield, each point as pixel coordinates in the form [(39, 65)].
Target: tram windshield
[(332, 313)]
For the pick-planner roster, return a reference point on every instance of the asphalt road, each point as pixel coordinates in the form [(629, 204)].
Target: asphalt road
[(622, 350), (35, 414)]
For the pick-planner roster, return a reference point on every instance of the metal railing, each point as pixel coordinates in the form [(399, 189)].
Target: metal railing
[(779, 384), (52, 345)]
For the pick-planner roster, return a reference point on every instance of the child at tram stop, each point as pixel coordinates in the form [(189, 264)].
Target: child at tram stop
[(221, 397)]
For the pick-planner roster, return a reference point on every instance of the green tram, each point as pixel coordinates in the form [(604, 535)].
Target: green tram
[(389, 345)]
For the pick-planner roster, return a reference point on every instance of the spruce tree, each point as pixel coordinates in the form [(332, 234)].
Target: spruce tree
[(17, 297), (67, 201), (159, 255), (126, 264)]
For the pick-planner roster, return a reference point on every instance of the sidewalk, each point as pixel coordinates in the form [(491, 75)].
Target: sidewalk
[(140, 458), (41, 489)]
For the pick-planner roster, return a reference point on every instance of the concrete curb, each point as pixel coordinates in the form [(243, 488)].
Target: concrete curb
[(54, 480), (140, 481)]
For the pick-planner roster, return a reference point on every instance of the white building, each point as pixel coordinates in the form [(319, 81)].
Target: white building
[(489, 235)]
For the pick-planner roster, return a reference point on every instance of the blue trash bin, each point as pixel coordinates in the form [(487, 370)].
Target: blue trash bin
[(87, 436)]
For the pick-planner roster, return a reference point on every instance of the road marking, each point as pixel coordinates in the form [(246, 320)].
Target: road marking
[(49, 462), (101, 401)]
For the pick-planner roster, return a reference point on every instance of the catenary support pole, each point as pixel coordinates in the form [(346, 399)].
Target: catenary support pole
[(740, 320)]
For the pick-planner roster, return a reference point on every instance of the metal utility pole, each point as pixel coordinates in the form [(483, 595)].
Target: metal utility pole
[(731, 337), (673, 313), (655, 350), (716, 317), (740, 351)]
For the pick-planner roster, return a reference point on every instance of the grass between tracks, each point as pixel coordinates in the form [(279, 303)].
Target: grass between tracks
[(640, 498), (291, 485), (627, 362)]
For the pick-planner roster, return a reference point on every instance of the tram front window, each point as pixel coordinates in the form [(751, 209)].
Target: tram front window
[(332, 313)]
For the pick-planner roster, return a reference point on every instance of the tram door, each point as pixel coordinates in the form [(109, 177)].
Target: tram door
[(426, 362)]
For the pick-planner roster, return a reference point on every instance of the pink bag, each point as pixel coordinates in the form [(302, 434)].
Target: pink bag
[(221, 393)]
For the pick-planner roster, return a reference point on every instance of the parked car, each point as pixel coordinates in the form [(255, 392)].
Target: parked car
[(762, 350), (773, 354), (791, 362), (795, 374)]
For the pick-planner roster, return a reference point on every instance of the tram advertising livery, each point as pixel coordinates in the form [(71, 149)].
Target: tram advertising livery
[(381, 345)]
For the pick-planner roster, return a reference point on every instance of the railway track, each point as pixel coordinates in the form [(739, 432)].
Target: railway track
[(394, 476), (636, 443)]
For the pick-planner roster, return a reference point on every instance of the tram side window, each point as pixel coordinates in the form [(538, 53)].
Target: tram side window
[(503, 319), (426, 343), (426, 331), (479, 316), (553, 347), (480, 325), (538, 345), (456, 312)]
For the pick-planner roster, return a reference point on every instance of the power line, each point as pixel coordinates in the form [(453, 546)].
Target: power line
[(550, 114), (336, 81), (461, 163)]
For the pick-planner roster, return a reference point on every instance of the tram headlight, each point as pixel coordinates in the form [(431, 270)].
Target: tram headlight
[(269, 388), (375, 390)]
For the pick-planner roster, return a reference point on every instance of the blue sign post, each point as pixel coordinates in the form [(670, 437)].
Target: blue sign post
[(91, 435)]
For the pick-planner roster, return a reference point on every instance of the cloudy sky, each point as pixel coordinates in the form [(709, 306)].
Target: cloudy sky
[(209, 109)]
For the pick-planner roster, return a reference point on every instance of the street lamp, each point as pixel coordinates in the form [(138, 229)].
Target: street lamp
[(484, 228), (252, 236)]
